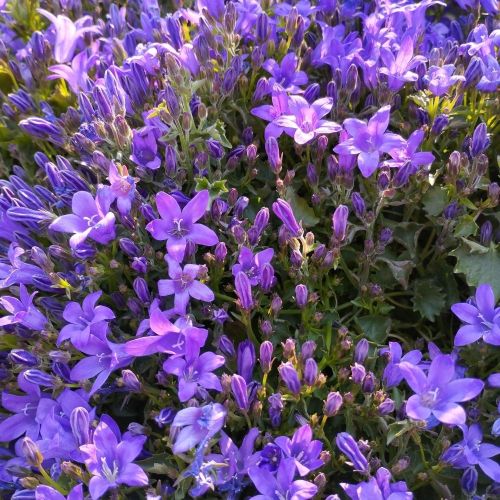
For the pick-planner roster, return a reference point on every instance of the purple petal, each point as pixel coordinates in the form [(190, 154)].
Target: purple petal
[(69, 223), (202, 235), (368, 163), (441, 371), (322, 106), (491, 469), (450, 413), (467, 335), (166, 287), (176, 247), (133, 475), (98, 486), (264, 481), (167, 206), (414, 377), (354, 126), (462, 390), (200, 291), (159, 229), (466, 312), (196, 207), (485, 299), (186, 439), (415, 410)]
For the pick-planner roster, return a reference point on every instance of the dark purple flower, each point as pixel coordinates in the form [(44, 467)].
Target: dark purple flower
[(178, 226), (305, 121), (183, 285), (370, 139), (290, 377), (22, 311), (199, 424), (193, 371), (251, 264), (91, 218), (339, 223), (145, 148), (481, 317), (471, 452), (243, 289), (246, 360), (348, 446), (85, 320), (282, 485), (438, 393), (303, 449), (17, 271), (286, 74), (333, 404), (240, 392), (284, 212), (109, 458)]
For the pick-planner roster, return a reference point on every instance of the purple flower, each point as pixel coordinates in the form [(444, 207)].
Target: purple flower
[(286, 74), (378, 488), (77, 74), (193, 371), (440, 78), (145, 148), (481, 317), (392, 374), (490, 80), (348, 446), (91, 218), (305, 122), (104, 358), (199, 424), (109, 458), (17, 271), (251, 264), (68, 34), (43, 492), (243, 289), (303, 449), (438, 393), (339, 223), (85, 320), (183, 285), (290, 377), (271, 112), (122, 187), (179, 226), (471, 452), (246, 360), (282, 485), (170, 338), (22, 311), (398, 68), (408, 154), (370, 139), (283, 210)]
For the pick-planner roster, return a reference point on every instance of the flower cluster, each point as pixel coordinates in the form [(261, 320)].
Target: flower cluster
[(249, 249)]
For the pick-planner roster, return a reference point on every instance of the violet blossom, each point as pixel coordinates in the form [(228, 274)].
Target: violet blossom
[(271, 112), (122, 187), (392, 374), (408, 154), (22, 310), (285, 74), (251, 264), (145, 148), (440, 78)]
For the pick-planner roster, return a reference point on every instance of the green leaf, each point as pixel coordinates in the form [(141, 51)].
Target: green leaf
[(400, 269), (466, 227), (479, 264), (397, 429), (434, 201), (375, 327), (303, 212), (407, 234), (8, 341), (428, 299), (156, 464)]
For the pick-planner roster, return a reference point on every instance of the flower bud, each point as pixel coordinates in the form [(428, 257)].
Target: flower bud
[(130, 381), (310, 372), (142, 291), (129, 248), (480, 140), (266, 356), (486, 233), (332, 404), (244, 291), (22, 357), (289, 376), (39, 378), (288, 348), (276, 304), (439, 124), (165, 417), (386, 407), (246, 360), (239, 390), (339, 222), (361, 351), (31, 452), (267, 278), (369, 382), (301, 296), (284, 212), (358, 373), (307, 349), (468, 482), (80, 425), (273, 154)]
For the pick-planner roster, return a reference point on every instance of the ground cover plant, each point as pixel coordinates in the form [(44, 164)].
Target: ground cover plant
[(249, 249)]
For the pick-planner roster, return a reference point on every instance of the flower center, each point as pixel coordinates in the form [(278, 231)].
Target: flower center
[(109, 474), (184, 281), (178, 230), (429, 398)]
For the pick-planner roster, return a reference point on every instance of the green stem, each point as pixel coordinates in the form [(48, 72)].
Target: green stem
[(50, 481)]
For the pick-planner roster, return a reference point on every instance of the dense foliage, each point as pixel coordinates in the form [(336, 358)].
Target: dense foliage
[(249, 249)]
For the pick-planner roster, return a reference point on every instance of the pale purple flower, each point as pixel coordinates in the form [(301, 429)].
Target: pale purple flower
[(271, 112), (285, 74), (44, 492), (176, 339), (85, 320), (198, 425), (378, 488), (75, 74), (193, 371), (22, 311), (398, 68), (180, 226), (490, 81), (440, 78), (183, 285), (302, 449), (91, 218), (481, 318), (438, 392), (252, 264), (282, 485), (104, 357), (409, 154), (471, 452), (392, 374), (305, 121), (109, 458), (17, 271), (369, 140), (68, 34), (122, 187)]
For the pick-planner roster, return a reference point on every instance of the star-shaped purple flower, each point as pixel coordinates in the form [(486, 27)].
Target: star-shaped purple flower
[(369, 140), (22, 311), (409, 154), (438, 392), (285, 74), (392, 374), (183, 284), (482, 318), (91, 218), (305, 121), (252, 264), (179, 226), (440, 78)]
